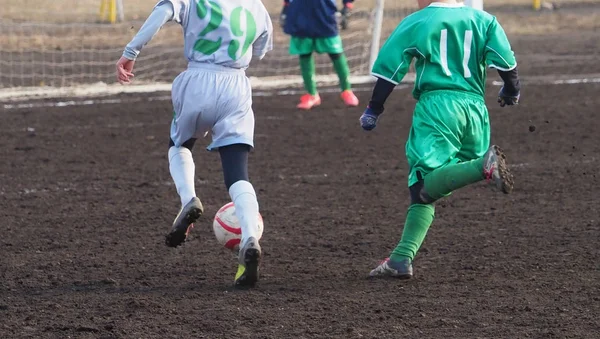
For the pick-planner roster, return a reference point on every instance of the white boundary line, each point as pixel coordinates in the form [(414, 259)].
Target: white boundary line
[(103, 89), (265, 89), (166, 98)]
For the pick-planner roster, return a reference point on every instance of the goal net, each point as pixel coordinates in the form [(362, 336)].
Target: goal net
[(61, 43)]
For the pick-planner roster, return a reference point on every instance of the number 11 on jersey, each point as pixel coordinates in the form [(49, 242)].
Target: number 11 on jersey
[(468, 39)]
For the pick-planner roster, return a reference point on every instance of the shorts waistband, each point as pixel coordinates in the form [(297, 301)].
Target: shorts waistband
[(215, 68), (470, 95)]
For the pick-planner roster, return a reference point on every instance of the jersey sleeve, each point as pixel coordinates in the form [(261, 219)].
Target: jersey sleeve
[(161, 14), (394, 58), (180, 9), (498, 53), (264, 42)]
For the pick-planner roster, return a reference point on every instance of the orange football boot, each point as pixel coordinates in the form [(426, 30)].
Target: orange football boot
[(308, 101), (349, 98)]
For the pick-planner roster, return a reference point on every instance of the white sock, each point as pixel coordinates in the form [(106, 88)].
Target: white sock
[(246, 208), (181, 165)]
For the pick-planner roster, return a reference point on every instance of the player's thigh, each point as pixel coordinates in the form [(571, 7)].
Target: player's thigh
[(235, 121), (476, 137), (192, 94), (435, 136), (301, 46), (329, 45)]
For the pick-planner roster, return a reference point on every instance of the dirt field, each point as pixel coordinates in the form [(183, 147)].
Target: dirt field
[(86, 199)]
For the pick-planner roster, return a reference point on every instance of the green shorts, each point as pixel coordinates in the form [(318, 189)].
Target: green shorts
[(301, 46), (448, 127)]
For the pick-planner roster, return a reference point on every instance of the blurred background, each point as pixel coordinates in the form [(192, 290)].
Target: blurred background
[(68, 42)]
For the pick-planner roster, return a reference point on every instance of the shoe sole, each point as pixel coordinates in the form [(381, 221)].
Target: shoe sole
[(403, 276), (309, 108), (506, 177), (399, 276), (251, 263), (179, 233)]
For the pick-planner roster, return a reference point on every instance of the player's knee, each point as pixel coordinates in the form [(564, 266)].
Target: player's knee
[(234, 159), (418, 195), (334, 56), (189, 144), (305, 56)]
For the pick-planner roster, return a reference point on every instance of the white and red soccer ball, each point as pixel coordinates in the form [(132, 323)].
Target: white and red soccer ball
[(227, 227)]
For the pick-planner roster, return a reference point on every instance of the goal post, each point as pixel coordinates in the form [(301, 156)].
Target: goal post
[(376, 37)]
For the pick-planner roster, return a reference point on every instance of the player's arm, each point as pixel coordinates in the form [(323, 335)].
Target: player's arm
[(499, 55), (162, 13), (391, 65), (264, 42)]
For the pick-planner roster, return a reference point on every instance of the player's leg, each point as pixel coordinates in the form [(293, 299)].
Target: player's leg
[(476, 146), (181, 164), (234, 159), (419, 217), (182, 169), (434, 140), (478, 161), (303, 47), (233, 137), (334, 47), (446, 129)]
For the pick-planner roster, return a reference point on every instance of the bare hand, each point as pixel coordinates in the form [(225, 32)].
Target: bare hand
[(124, 70)]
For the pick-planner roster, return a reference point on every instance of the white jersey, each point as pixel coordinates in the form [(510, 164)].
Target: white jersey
[(223, 32)]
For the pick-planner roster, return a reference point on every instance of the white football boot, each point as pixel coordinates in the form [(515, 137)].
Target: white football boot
[(248, 263), (496, 169), (401, 269)]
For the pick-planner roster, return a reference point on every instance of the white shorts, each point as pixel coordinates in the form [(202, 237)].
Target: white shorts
[(213, 98)]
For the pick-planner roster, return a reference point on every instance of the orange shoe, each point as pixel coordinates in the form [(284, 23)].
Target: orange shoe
[(349, 98), (308, 101)]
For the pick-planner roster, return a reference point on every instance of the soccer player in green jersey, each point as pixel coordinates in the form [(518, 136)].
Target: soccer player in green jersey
[(448, 146), (312, 24)]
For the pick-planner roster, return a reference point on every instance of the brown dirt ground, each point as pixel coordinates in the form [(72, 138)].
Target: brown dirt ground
[(86, 200)]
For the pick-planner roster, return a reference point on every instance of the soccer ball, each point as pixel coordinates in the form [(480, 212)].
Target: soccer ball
[(227, 227)]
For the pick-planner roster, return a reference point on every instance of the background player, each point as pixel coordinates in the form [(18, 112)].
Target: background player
[(313, 27), (449, 142), (221, 36)]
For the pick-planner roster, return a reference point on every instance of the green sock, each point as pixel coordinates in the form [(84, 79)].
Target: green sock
[(443, 181), (307, 66), (340, 64), (418, 219)]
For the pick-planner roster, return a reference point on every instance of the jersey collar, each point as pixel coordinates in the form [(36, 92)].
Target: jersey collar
[(446, 5)]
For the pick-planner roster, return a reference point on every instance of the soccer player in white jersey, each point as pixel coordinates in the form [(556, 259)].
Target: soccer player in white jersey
[(213, 94)]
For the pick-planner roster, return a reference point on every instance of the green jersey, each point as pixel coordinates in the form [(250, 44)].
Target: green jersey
[(452, 45)]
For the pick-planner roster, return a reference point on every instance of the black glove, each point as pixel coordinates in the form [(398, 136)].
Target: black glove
[(508, 99)]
